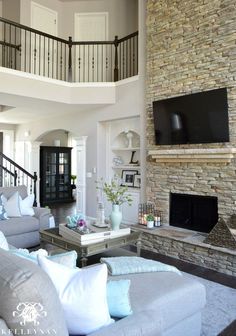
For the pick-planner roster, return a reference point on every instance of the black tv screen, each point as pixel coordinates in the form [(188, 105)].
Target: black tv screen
[(192, 119)]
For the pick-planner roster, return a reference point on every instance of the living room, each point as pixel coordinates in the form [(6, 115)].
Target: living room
[(185, 48)]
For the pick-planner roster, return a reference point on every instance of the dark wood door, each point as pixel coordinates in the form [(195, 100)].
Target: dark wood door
[(55, 175)]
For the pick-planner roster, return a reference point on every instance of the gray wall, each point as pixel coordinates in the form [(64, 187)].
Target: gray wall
[(123, 14), (11, 10), (49, 138)]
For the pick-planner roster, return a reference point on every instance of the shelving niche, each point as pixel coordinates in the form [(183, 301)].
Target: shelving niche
[(125, 152), (123, 139)]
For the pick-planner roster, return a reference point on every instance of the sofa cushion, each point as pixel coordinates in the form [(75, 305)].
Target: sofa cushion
[(19, 225), (9, 191), (171, 296), (82, 293), (3, 242), (118, 298), (26, 205), (25, 285), (3, 213), (12, 205)]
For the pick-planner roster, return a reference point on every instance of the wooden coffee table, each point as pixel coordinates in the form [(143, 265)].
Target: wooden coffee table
[(53, 237)]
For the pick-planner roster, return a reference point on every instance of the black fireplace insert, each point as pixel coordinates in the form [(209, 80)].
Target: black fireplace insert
[(193, 212)]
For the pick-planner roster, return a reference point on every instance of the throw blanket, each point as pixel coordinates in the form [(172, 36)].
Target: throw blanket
[(128, 265)]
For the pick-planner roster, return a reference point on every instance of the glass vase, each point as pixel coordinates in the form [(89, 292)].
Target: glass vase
[(116, 217)]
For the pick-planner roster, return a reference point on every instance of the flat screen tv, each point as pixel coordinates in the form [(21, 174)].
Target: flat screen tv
[(192, 119)]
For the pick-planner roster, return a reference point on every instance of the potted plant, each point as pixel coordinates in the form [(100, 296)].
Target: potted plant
[(117, 195), (150, 221)]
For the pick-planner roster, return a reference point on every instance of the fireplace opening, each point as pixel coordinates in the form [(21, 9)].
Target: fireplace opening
[(193, 212)]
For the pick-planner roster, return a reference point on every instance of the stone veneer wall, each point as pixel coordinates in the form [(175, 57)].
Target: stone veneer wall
[(216, 258), (191, 48)]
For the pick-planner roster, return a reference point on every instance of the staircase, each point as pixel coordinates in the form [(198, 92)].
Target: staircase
[(12, 174)]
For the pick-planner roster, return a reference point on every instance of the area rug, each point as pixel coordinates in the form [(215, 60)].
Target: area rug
[(220, 309)]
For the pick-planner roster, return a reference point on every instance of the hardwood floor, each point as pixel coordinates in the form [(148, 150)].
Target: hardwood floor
[(60, 211)]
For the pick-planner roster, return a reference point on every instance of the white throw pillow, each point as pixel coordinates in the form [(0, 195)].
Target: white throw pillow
[(82, 294), (26, 205), (12, 205), (3, 242)]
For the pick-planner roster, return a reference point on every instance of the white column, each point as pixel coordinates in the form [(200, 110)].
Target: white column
[(81, 174), (142, 102)]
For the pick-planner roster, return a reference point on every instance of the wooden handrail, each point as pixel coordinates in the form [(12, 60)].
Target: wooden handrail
[(7, 170), (127, 37), (18, 166), (32, 30), (60, 59), (91, 42)]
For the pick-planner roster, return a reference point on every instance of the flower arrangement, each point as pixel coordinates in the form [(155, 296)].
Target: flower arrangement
[(115, 193)]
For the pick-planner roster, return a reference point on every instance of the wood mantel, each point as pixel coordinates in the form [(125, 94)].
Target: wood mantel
[(221, 155)]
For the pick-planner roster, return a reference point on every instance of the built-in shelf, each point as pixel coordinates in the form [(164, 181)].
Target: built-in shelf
[(222, 155), (125, 149), (134, 167)]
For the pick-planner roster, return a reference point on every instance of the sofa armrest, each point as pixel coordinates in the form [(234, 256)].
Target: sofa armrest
[(138, 324), (4, 328), (42, 214)]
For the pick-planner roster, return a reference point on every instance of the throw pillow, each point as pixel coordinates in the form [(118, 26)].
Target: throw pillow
[(67, 259), (12, 205), (118, 298), (3, 242), (82, 294), (26, 205), (3, 214)]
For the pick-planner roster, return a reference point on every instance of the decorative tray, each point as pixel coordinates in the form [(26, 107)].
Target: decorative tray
[(95, 235)]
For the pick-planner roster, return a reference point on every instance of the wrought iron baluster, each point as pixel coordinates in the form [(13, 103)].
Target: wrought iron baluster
[(48, 57), (15, 50)]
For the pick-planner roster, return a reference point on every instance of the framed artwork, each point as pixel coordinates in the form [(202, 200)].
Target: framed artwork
[(137, 181), (128, 177)]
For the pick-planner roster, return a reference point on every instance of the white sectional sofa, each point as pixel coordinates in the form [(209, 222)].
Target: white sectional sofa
[(163, 303)]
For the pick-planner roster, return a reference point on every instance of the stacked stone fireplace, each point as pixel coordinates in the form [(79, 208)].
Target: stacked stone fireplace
[(190, 48)]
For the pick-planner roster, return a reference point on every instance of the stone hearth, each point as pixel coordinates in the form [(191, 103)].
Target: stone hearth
[(188, 246)]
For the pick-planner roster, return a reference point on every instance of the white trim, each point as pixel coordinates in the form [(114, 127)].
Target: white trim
[(105, 14), (63, 83), (223, 155), (127, 80), (34, 5), (81, 174)]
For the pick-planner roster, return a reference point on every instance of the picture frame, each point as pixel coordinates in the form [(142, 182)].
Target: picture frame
[(137, 181), (128, 177)]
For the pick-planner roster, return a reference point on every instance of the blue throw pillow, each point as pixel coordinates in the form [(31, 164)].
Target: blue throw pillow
[(67, 259), (3, 214), (118, 298)]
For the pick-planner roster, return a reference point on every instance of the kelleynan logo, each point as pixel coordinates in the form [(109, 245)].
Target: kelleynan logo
[(29, 312)]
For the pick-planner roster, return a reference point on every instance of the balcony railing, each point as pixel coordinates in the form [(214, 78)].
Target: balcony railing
[(29, 50)]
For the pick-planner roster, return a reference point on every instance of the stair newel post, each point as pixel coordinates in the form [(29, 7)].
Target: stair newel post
[(15, 177), (116, 69), (70, 60), (35, 188)]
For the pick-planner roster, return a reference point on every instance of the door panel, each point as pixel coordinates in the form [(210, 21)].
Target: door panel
[(91, 61), (43, 50)]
